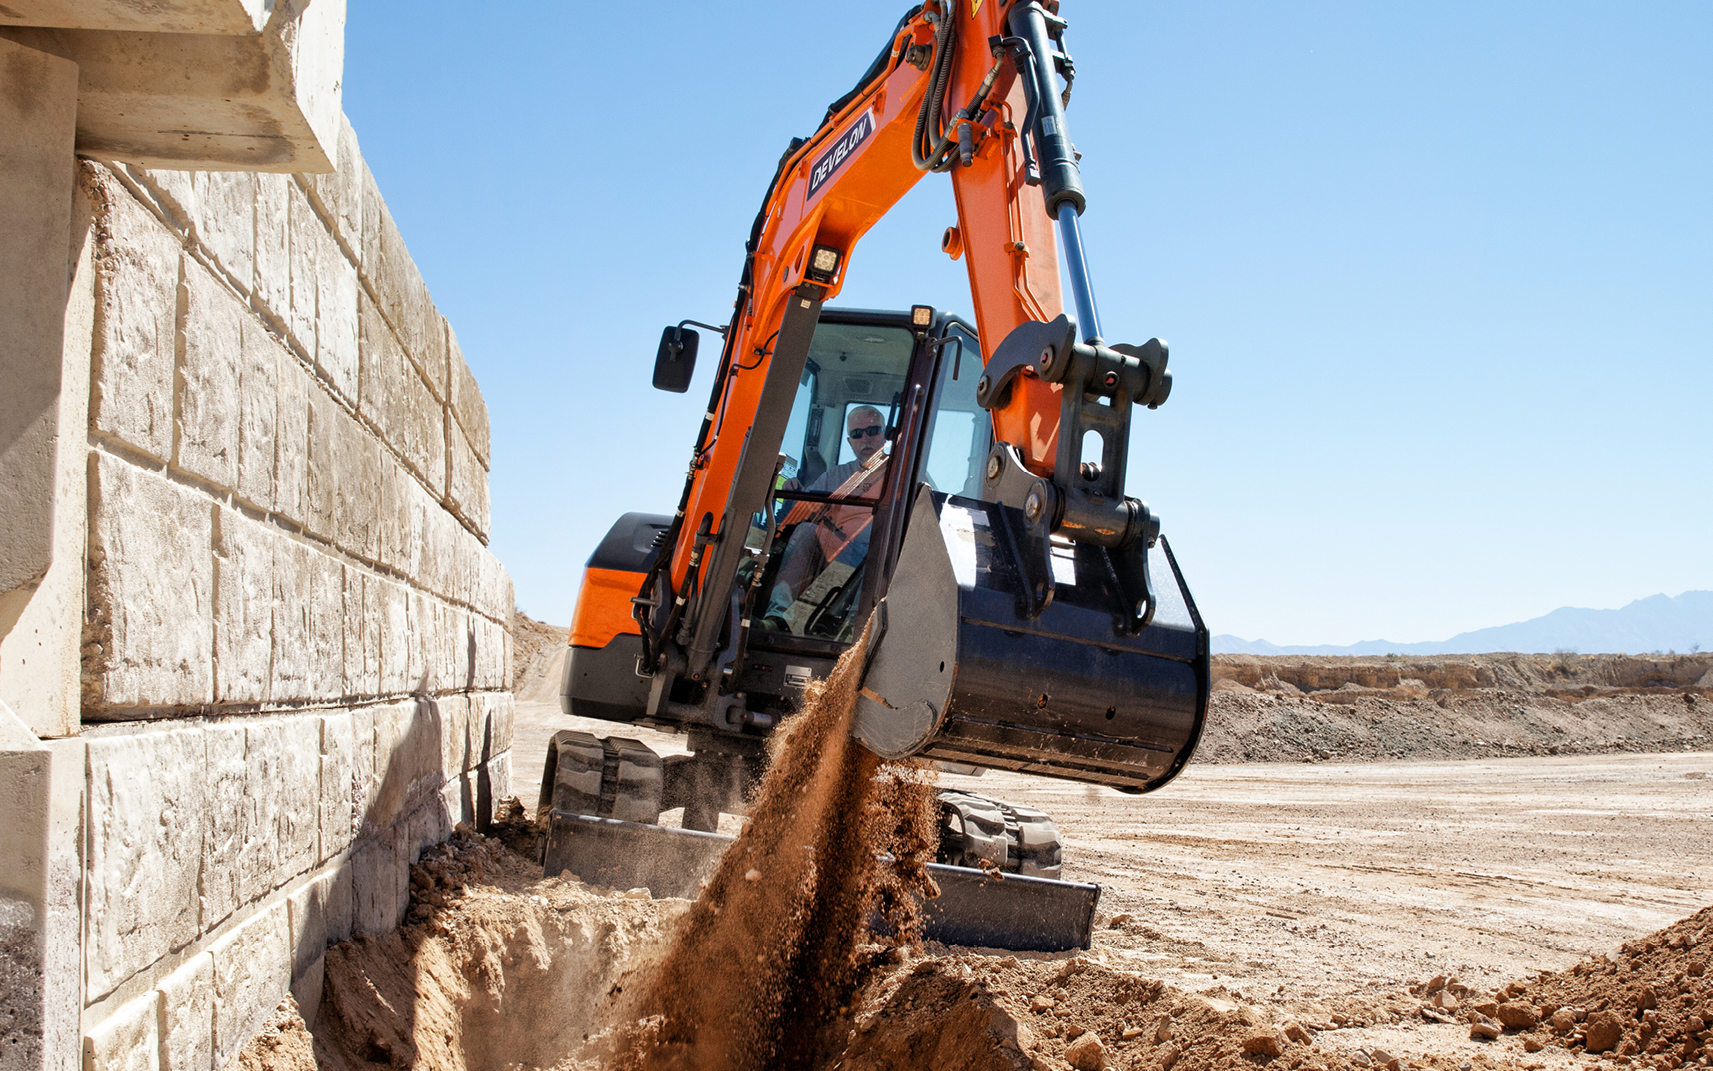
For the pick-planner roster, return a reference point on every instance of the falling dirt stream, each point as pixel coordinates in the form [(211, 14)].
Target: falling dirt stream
[(780, 921)]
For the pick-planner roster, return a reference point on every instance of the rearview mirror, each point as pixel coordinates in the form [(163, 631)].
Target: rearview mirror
[(675, 361)]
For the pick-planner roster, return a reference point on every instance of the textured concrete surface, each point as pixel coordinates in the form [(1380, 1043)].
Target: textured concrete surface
[(126, 1040), (147, 804), (38, 97), (161, 16), (208, 397), (468, 408), (281, 636), (41, 623), (136, 294), (252, 973), (26, 798), (151, 588), (187, 1016)]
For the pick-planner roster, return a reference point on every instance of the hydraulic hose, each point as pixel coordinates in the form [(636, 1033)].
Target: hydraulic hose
[(931, 149), (937, 147)]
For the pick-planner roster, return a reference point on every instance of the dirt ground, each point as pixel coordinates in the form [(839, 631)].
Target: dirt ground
[(1300, 904), (1415, 880)]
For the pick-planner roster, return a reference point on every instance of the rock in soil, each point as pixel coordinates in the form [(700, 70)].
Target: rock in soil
[(1086, 1053)]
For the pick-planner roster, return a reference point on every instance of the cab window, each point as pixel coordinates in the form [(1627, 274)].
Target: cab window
[(959, 432), (854, 381)]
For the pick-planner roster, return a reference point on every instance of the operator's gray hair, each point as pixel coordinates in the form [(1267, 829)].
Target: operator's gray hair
[(877, 414)]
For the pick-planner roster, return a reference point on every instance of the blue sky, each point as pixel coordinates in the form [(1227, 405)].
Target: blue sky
[(1438, 280)]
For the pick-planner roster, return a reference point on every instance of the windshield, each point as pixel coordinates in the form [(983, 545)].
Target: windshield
[(838, 441)]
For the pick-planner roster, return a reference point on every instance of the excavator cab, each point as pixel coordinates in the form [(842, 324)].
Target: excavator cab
[(884, 406), (857, 442)]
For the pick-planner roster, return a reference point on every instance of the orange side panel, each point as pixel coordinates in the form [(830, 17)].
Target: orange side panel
[(604, 607)]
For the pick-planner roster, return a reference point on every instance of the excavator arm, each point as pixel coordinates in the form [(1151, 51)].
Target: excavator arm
[(1033, 620), (1098, 689)]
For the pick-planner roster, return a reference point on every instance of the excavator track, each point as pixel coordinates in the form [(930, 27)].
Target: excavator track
[(989, 834), (998, 867)]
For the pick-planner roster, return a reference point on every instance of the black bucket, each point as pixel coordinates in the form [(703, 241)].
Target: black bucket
[(1017, 656)]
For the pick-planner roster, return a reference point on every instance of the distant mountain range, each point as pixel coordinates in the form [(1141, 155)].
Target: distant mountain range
[(1656, 623)]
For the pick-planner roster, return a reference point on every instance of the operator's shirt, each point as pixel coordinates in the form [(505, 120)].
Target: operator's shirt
[(841, 524)]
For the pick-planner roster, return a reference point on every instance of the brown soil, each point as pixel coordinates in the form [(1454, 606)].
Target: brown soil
[(1652, 1003), (283, 1044), (495, 968), (1267, 917), (499, 971)]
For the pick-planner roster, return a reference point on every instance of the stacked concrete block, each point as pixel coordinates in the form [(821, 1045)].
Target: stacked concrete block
[(244, 607), (466, 480), (272, 287), (291, 440), (128, 1038), (136, 314), (252, 973), (224, 855), (150, 624), (144, 853), (186, 1016), (296, 640), (397, 401), (337, 818), (338, 195), (467, 443), (208, 374), (259, 431)]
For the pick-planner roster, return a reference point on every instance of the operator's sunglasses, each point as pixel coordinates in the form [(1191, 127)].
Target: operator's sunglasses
[(859, 433)]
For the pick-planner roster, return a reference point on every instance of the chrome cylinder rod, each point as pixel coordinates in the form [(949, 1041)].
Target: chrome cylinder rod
[(1076, 264)]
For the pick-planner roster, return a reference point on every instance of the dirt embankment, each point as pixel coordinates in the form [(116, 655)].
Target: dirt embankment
[(1289, 709), (1566, 676), (538, 658), (1301, 709)]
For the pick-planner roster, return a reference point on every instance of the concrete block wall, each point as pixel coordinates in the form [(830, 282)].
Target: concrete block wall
[(296, 650)]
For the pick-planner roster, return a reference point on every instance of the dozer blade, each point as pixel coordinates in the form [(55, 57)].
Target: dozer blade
[(1006, 650), (1013, 912)]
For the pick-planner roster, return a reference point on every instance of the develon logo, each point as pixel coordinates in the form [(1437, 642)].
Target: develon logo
[(829, 162)]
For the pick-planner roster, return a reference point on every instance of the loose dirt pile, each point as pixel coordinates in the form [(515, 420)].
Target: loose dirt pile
[(1295, 709), (494, 968), (283, 1044), (1652, 1005), (498, 970)]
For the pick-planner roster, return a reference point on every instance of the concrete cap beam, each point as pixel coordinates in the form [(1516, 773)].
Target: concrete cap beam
[(153, 16), (267, 99)]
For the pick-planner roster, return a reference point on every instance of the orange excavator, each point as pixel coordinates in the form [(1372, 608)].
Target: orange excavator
[(957, 486)]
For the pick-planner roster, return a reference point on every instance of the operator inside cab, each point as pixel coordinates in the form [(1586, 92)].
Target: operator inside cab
[(829, 533)]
